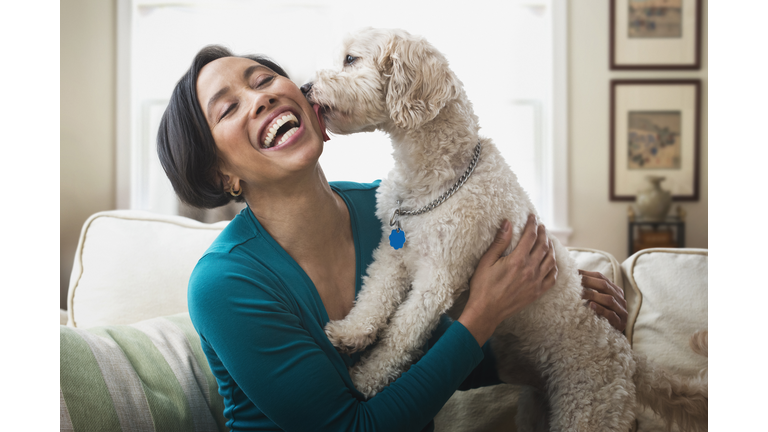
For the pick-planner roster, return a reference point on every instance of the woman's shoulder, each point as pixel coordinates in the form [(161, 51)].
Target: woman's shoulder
[(239, 256), (238, 232), (361, 196), (223, 279), (347, 186)]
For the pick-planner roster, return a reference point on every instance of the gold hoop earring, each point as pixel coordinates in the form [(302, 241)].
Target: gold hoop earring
[(232, 191)]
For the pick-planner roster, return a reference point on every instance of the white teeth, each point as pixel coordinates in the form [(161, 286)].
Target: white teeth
[(288, 135), (276, 125)]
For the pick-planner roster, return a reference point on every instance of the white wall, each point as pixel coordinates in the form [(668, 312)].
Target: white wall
[(598, 222), (87, 120)]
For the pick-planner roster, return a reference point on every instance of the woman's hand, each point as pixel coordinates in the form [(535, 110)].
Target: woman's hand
[(502, 286), (605, 298)]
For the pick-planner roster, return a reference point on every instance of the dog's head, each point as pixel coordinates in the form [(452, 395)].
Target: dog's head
[(388, 78)]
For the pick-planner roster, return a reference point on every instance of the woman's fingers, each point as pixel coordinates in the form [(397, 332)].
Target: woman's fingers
[(550, 267), (603, 285), (613, 319), (499, 245), (605, 298), (542, 246), (528, 237), (607, 301)]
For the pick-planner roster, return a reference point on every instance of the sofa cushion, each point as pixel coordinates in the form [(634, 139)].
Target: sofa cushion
[(151, 375), (132, 265), (667, 304)]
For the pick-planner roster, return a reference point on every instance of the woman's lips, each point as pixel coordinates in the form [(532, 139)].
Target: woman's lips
[(270, 120), (320, 118)]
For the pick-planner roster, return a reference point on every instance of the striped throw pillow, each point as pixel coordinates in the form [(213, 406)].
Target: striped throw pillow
[(148, 376)]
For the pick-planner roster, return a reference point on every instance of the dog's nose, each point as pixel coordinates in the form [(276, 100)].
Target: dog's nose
[(306, 88)]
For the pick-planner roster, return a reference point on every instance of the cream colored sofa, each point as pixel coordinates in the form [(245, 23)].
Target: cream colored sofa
[(130, 358)]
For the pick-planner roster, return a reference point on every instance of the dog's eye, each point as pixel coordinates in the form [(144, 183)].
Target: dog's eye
[(348, 60)]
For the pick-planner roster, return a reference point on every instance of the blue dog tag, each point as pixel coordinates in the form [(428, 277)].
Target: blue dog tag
[(397, 238)]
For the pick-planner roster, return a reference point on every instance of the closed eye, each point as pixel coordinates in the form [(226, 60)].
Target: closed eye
[(263, 80), (229, 109)]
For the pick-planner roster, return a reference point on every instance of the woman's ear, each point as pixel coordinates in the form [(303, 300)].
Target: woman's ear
[(420, 83), (228, 183)]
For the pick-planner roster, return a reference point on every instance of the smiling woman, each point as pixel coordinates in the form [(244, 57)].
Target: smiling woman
[(192, 168)]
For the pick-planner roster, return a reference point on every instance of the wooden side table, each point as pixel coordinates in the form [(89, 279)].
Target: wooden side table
[(644, 234)]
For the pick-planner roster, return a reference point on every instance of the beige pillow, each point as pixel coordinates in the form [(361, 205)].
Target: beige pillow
[(667, 304), (131, 266)]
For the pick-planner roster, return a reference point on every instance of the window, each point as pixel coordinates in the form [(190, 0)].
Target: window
[(510, 55)]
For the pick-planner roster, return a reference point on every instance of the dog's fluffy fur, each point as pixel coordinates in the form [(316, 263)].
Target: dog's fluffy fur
[(400, 84)]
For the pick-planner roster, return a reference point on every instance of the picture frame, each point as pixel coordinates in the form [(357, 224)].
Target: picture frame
[(655, 128), (655, 34)]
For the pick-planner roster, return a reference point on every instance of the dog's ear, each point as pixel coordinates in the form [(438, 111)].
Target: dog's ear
[(420, 80)]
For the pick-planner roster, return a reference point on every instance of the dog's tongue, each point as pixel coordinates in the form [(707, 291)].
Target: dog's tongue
[(321, 119)]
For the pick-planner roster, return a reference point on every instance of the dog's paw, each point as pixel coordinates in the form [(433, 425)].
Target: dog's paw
[(379, 368), (367, 381), (349, 337)]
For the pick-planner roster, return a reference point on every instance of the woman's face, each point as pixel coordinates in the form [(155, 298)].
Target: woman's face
[(265, 130)]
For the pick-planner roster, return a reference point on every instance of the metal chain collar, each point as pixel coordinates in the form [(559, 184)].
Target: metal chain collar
[(442, 198)]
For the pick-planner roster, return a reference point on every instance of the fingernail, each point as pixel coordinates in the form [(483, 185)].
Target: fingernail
[(505, 226), (593, 306)]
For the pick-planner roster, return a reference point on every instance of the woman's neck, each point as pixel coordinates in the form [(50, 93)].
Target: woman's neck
[(304, 215)]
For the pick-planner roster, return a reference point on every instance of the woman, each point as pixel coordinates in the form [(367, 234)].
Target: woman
[(238, 128)]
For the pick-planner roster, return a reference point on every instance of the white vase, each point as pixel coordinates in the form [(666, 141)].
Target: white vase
[(653, 203)]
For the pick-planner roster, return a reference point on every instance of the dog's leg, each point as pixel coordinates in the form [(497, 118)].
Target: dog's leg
[(383, 290), (433, 292)]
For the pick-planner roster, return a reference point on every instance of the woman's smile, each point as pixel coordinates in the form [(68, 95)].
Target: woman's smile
[(280, 129)]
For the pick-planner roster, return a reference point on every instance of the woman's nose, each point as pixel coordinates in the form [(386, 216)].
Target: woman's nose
[(260, 103)]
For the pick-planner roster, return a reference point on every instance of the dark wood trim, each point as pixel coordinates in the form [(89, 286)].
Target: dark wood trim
[(612, 46), (696, 136)]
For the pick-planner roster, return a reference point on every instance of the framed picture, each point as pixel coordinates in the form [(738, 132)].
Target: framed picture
[(655, 34), (655, 131)]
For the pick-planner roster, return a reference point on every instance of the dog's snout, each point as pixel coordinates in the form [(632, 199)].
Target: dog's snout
[(306, 88)]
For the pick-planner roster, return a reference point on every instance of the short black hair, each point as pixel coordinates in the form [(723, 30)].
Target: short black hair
[(185, 144)]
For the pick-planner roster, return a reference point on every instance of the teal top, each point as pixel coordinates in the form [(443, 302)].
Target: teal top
[(261, 319)]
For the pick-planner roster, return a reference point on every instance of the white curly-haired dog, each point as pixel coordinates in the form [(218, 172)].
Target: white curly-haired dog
[(400, 84)]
